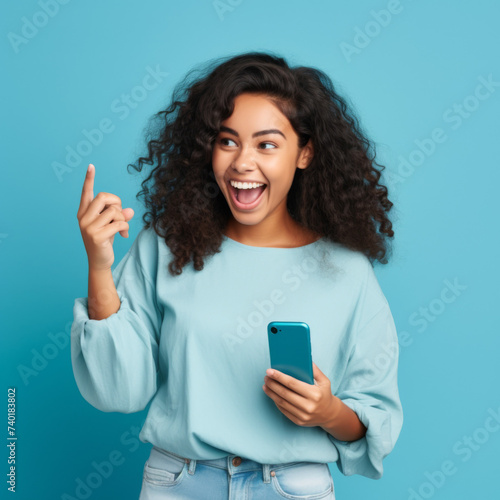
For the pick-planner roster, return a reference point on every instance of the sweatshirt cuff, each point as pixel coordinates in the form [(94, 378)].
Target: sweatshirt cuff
[(365, 455)]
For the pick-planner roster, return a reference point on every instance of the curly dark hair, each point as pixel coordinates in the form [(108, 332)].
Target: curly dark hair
[(338, 195)]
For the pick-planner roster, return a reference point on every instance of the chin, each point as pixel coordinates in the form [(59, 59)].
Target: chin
[(247, 219)]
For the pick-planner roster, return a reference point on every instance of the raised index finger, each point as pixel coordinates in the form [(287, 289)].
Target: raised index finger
[(87, 191)]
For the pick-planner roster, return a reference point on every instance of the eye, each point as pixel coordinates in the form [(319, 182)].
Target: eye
[(225, 139), (267, 143)]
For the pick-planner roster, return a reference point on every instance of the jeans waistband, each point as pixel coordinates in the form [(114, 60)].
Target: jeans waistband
[(232, 463)]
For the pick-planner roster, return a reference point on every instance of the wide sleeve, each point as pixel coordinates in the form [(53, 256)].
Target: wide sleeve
[(115, 360), (370, 388)]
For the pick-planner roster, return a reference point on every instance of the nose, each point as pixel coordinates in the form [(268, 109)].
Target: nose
[(244, 161)]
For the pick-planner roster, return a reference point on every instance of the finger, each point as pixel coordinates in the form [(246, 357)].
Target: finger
[(113, 228), (289, 415), (111, 214), (100, 203), (87, 191), (128, 213), (292, 383), (282, 403), (275, 389)]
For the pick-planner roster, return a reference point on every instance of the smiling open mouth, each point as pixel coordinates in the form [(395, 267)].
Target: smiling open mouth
[(246, 198)]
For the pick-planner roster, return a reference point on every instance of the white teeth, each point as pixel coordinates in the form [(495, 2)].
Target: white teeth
[(245, 185)]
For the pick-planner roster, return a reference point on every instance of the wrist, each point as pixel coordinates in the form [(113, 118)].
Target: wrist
[(335, 407), (99, 271)]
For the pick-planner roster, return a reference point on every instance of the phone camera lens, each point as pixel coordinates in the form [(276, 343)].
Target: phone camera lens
[(274, 329)]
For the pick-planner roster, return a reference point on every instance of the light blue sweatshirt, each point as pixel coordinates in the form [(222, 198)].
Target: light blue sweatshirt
[(196, 346)]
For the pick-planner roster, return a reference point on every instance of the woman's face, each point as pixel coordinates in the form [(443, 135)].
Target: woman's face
[(257, 144)]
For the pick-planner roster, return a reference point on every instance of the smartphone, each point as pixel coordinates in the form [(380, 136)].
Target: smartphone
[(290, 349)]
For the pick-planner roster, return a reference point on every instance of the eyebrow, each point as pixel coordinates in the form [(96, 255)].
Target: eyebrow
[(256, 134)]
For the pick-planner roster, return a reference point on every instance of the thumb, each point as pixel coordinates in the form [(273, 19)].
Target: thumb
[(319, 376)]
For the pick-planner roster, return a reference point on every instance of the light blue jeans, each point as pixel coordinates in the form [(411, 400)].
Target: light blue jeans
[(167, 475)]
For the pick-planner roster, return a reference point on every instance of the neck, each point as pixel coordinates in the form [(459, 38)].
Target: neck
[(268, 233)]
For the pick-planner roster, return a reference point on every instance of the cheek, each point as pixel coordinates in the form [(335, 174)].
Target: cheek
[(216, 153), (220, 161), (279, 171), (279, 184), (215, 159), (217, 165)]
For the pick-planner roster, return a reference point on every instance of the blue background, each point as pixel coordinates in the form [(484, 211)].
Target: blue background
[(411, 77)]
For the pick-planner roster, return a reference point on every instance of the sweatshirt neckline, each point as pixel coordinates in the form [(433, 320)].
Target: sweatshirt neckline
[(269, 249)]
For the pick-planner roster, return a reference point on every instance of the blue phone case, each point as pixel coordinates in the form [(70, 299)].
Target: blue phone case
[(290, 349)]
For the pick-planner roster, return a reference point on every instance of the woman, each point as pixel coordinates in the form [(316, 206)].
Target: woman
[(264, 204)]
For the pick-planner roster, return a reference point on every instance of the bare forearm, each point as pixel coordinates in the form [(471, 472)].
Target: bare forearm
[(344, 424), (103, 298)]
